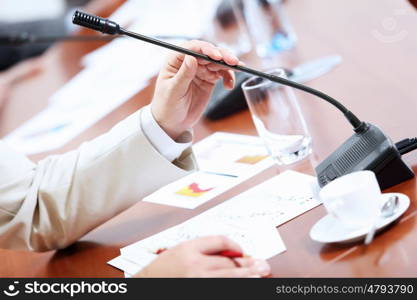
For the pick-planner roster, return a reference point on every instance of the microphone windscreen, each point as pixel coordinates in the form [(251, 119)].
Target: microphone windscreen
[(95, 23)]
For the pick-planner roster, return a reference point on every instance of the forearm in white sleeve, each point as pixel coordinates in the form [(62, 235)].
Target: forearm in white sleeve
[(162, 142), (53, 203)]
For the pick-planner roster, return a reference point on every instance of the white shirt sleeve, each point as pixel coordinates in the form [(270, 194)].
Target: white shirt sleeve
[(162, 142), (51, 203)]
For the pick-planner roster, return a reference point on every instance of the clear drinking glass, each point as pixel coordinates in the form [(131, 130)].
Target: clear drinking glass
[(278, 118)]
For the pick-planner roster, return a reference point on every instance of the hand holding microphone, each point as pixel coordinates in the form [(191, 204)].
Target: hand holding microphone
[(185, 85)]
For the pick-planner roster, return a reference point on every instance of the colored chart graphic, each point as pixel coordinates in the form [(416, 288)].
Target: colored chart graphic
[(251, 160), (193, 190)]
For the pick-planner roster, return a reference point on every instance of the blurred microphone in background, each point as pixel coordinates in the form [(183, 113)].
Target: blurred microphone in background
[(42, 19), (52, 18), (47, 20)]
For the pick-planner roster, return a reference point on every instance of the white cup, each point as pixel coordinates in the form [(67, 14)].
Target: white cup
[(354, 199)]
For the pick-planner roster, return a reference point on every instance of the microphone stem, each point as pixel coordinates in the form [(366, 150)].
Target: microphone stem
[(353, 120), (112, 28)]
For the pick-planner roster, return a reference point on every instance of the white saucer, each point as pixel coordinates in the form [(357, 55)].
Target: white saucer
[(330, 230)]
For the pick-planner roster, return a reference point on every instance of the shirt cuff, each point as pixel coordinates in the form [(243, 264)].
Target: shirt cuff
[(161, 141)]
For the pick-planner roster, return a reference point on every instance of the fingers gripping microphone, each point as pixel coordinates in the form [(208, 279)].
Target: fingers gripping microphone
[(368, 149)]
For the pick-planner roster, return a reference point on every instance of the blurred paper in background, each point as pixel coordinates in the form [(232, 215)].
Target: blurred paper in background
[(25, 10)]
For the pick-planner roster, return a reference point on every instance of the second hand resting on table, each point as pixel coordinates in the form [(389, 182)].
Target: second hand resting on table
[(202, 258)]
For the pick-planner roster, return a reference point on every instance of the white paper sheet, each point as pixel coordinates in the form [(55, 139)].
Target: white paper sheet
[(125, 265), (16, 11), (278, 200), (249, 218), (225, 160), (259, 240), (233, 154), (58, 124), (192, 190)]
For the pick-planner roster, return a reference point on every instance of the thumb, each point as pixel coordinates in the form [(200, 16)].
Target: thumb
[(186, 73)]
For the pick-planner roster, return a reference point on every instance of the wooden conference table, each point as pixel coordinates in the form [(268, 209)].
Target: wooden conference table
[(377, 81)]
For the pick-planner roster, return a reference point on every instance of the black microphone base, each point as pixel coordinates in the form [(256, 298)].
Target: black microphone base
[(369, 150), (395, 172)]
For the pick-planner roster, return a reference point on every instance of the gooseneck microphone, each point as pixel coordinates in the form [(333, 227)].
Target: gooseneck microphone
[(110, 27), (368, 149)]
